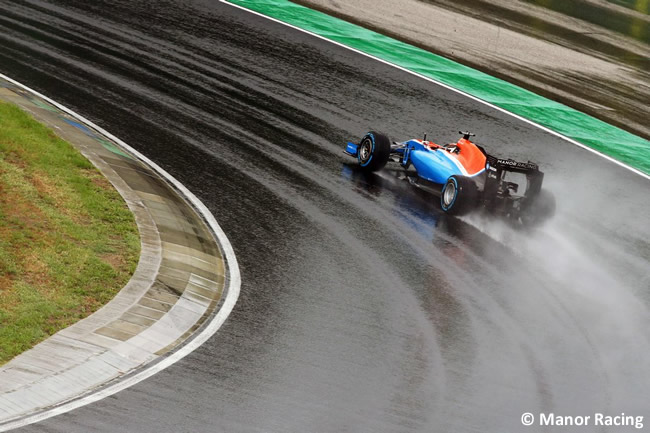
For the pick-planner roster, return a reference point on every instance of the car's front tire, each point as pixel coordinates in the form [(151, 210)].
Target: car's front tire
[(459, 195), (373, 151)]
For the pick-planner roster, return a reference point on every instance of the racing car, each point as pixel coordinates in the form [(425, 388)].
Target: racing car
[(464, 175)]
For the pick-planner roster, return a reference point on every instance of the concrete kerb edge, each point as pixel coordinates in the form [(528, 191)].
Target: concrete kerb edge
[(446, 86), (232, 286)]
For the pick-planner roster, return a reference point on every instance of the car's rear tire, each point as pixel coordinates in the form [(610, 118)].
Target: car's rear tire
[(539, 210), (459, 195), (373, 151)]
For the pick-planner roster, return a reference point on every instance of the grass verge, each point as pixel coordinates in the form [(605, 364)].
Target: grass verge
[(68, 242)]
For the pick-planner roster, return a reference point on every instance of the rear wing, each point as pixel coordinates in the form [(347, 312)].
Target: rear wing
[(510, 164), (496, 167)]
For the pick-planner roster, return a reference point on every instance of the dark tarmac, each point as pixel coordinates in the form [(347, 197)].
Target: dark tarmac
[(362, 307), (592, 55)]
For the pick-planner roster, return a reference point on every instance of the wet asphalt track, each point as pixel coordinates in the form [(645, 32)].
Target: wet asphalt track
[(363, 307)]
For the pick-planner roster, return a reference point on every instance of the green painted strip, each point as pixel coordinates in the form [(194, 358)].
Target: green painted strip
[(113, 148), (43, 105), (596, 134)]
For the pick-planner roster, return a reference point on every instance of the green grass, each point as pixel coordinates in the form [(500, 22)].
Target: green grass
[(68, 242)]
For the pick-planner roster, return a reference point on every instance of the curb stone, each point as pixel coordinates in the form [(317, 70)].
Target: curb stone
[(180, 283)]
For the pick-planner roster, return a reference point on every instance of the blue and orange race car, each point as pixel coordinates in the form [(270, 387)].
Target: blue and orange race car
[(464, 175)]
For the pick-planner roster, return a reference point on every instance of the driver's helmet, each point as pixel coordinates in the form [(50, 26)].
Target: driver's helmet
[(451, 147)]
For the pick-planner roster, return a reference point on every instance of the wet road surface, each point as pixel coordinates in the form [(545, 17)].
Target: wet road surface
[(363, 307), (592, 55)]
